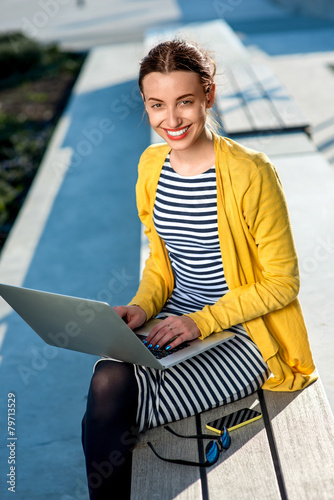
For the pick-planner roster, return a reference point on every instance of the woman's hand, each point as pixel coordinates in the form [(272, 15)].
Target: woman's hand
[(134, 316), (172, 331)]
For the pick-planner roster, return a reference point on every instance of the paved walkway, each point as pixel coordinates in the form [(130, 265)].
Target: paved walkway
[(78, 229)]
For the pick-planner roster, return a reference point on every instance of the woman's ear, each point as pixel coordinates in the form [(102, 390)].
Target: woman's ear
[(211, 96)]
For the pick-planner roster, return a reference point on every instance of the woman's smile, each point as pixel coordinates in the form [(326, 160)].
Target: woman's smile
[(177, 133)]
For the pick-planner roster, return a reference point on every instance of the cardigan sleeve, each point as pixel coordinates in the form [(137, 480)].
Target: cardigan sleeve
[(265, 217), (151, 293), (154, 285)]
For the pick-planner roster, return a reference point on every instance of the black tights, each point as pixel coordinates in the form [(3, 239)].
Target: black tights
[(109, 430)]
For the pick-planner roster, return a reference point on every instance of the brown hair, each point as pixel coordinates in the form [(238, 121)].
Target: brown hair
[(178, 55)]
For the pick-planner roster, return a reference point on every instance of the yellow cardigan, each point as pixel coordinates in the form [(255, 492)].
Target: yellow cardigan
[(259, 257)]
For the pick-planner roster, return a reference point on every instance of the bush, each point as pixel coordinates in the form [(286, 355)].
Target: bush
[(22, 147), (35, 82), (18, 54)]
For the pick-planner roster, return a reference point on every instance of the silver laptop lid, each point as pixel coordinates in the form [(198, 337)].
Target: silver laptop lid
[(92, 327)]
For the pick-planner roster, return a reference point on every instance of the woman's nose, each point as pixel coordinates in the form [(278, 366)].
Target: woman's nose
[(173, 118)]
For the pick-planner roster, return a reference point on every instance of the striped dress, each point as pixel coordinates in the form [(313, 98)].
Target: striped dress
[(185, 217)]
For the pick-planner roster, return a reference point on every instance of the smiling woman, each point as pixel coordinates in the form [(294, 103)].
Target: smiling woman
[(222, 258), (177, 105), (176, 81)]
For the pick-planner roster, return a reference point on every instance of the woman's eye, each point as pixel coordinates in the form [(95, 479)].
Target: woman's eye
[(157, 105), (185, 102)]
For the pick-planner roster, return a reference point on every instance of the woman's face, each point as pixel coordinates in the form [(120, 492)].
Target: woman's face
[(176, 105)]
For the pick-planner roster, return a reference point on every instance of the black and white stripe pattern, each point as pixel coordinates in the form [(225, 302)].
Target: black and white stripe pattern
[(219, 376), (185, 217)]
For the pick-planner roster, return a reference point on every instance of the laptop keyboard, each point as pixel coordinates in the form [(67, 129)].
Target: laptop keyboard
[(162, 353)]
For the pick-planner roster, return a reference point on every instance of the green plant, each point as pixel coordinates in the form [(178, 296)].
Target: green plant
[(35, 82), (17, 54)]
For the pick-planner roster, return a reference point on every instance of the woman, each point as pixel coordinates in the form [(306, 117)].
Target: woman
[(222, 257)]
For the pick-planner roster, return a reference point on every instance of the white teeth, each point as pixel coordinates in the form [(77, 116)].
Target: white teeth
[(178, 132)]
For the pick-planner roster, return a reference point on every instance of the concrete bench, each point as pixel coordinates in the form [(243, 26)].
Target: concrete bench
[(250, 99), (254, 101), (287, 454)]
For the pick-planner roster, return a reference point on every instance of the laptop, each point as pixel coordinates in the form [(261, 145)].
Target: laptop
[(93, 327)]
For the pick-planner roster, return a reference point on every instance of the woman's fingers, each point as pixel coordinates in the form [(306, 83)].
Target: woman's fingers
[(134, 315), (168, 333), (121, 311), (172, 331)]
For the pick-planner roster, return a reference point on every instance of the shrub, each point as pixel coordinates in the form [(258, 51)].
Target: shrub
[(17, 54), (35, 82)]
